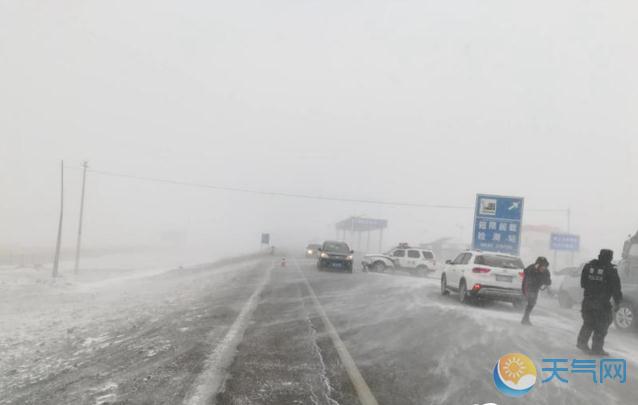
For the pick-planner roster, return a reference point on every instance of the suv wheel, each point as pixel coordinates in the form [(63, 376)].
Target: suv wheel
[(463, 298), (564, 300), (378, 267), (444, 290), (625, 318), (422, 270)]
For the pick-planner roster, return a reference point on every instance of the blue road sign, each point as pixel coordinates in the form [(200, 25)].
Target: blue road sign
[(265, 238), (497, 223), (361, 224), (565, 241)]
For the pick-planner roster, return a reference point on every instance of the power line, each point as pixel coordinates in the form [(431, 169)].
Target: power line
[(274, 193), (296, 195)]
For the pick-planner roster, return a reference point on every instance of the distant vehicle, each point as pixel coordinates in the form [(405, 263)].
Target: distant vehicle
[(484, 275), (312, 250), (335, 255), (416, 260)]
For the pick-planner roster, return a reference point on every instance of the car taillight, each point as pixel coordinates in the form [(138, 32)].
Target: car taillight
[(476, 287), (481, 270), (521, 274)]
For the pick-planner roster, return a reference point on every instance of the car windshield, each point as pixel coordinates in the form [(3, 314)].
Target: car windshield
[(313, 247), (336, 247), (504, 262), (428, 255)]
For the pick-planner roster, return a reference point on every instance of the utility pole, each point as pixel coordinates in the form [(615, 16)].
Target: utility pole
[(79, 241), (56, 260)]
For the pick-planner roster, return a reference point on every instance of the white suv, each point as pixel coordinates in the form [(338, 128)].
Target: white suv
[(415, 260), (484, 275)]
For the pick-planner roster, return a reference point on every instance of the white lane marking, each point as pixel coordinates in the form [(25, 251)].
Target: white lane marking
[(360, 385), (214, 374), (323, 375)]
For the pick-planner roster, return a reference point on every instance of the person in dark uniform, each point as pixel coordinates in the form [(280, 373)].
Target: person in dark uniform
[(600, 280), (534, 278)]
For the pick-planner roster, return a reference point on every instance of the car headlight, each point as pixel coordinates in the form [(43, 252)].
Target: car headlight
[(349, 257), (324, 255), (310, 252)]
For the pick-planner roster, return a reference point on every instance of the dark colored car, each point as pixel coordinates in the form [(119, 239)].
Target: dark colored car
[(626, 318), (312, 250), (570, 292), (335, 255)]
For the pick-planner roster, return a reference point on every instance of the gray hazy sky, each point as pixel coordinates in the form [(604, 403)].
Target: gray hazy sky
[(418, 101)]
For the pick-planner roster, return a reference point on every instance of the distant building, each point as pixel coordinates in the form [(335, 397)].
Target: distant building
[(535, 241), (445, 248)]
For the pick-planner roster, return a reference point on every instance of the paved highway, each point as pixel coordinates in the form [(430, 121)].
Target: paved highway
[(258, 333)]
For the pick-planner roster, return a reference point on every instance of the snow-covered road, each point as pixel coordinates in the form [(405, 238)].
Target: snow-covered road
[(87, 342), (151, 340)]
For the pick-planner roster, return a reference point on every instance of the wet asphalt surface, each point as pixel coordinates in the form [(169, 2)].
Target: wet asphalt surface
[(411, 345)]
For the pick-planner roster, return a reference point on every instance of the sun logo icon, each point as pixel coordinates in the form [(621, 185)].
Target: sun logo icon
[(514, 374)]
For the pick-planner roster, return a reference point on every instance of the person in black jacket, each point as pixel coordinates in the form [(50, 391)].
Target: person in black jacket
[(535, 276), (600, 280)]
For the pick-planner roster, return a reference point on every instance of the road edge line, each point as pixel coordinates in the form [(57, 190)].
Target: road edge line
[(356, 378), (211, 379)]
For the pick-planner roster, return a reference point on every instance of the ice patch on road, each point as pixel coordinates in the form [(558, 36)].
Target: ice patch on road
[(88, 342), (106, 394), (160, 347)]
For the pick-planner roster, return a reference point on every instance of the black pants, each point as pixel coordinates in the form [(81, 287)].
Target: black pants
[(532, 297), (596, 320)]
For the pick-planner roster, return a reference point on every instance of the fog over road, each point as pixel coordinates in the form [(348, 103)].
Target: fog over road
[(251, 333), (154, 153)]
